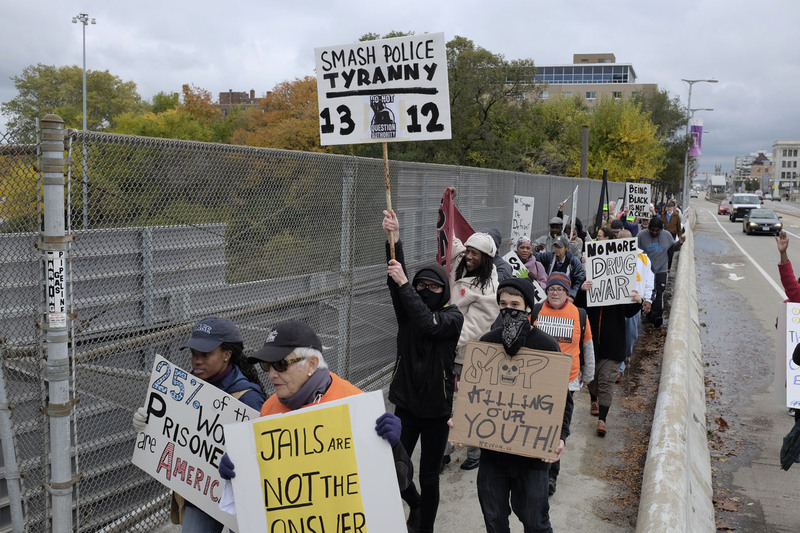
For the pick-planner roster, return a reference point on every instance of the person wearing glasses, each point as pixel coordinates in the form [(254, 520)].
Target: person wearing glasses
[(292, 358), (216, 355), (568, 324), (423, 380)]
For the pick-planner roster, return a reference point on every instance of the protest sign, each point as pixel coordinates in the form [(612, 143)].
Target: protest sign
[(383, 91), (521, 218), (518, 269), (321, 468), (611, 266), (786, 372), (637, 196), (511, 404), (574, 230), (184, 438)]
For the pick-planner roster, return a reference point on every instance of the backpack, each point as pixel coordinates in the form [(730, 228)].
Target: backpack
[(581, 318)]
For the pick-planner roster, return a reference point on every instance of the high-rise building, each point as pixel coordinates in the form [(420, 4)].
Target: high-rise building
[(591, 76)]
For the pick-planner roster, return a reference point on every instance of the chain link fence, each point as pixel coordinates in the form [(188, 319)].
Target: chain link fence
[(167, 232)]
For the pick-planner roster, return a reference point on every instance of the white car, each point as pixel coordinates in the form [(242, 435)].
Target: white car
[(693, 194)]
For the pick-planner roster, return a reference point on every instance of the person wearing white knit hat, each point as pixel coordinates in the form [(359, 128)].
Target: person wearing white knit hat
[(473, 288)]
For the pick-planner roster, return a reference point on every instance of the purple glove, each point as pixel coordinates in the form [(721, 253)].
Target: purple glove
[(226, 467), (387, 426)]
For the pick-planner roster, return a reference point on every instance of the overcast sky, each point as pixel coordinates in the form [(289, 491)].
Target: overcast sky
[(752, 48)]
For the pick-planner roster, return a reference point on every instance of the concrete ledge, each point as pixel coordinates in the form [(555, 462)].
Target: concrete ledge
[(677, 494)]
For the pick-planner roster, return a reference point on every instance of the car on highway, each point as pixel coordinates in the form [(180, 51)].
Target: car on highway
[(762, 221), (741, 204), (775, 197), (759, 194), (724, 207), (693, 194)]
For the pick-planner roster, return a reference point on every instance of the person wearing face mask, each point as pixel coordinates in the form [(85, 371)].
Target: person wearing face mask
[(504, 476), (423, 380)]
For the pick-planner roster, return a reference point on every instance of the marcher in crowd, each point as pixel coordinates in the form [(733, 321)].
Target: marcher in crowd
[(608, 334), (560, 318), (504, 270), (424, 378), (535, 269), (657, 244), (502, 476), (292, 358), (645, 285), (561, 260), (557, 229), (579, 229), (672, 224), (473, 284), (216, 346)]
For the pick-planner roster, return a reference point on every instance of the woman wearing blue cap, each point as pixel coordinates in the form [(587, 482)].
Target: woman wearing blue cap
[(217, 357)]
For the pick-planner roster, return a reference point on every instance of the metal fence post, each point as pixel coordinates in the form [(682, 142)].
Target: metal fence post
[(10, 457), (345, 255), (54, 245)]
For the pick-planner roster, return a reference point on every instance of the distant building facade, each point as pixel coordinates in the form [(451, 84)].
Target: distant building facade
[(785, 157), (230, 99), (591, 76)]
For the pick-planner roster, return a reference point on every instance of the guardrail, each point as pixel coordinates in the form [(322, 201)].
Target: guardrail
[(677, 494)]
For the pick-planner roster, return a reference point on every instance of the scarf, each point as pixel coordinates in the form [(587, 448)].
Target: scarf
[(515, 329), (311, 391)]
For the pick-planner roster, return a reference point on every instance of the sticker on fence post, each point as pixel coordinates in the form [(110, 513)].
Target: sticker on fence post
[(56, 302), (184, 439), (521, 218), (384, 90), (611, 267), (511, 404), (320, 468)]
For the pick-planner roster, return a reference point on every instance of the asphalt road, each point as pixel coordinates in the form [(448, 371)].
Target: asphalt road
[(739, 295)]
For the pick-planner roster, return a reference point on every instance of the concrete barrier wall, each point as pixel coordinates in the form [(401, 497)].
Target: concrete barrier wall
[(676, 486)]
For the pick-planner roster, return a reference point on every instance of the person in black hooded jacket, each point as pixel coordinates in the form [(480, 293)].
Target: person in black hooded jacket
[(424, 378)]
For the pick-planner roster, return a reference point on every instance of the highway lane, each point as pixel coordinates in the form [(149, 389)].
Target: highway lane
[(739, 296)]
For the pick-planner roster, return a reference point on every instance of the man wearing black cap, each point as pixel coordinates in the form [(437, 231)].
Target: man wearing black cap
[(503, 476), (562, 260), (423, 380)]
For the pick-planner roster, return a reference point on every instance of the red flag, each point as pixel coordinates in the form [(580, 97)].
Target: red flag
[(451, 222)]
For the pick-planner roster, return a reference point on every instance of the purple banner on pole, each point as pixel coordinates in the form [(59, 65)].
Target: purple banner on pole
[(697, 137)]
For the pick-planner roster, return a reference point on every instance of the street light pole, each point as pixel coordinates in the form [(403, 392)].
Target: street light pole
[(686, 181), (84, 19)]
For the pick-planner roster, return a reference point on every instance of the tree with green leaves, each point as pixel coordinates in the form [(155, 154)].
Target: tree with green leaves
[(670, 118), (44, 89)]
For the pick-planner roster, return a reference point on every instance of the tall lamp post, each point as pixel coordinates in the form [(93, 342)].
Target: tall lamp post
[(84, 19), (686, 182)]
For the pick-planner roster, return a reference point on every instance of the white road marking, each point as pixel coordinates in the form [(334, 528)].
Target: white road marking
[(729, 266), (775, 286), (733, 277)]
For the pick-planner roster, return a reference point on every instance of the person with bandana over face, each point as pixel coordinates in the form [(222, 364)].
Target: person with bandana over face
[(423, 380), (502, 475)]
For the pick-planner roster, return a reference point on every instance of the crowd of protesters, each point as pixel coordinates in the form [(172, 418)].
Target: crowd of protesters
[(438, 311)]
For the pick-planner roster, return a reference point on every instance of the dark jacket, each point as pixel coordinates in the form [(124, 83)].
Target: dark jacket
[(572, 267), (608, 329), (536, 340), (236, 381), (504, 270), (424, 378)]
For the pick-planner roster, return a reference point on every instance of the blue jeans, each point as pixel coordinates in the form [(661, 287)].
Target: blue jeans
[(631, 333), (196, 521), (527, 488)]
